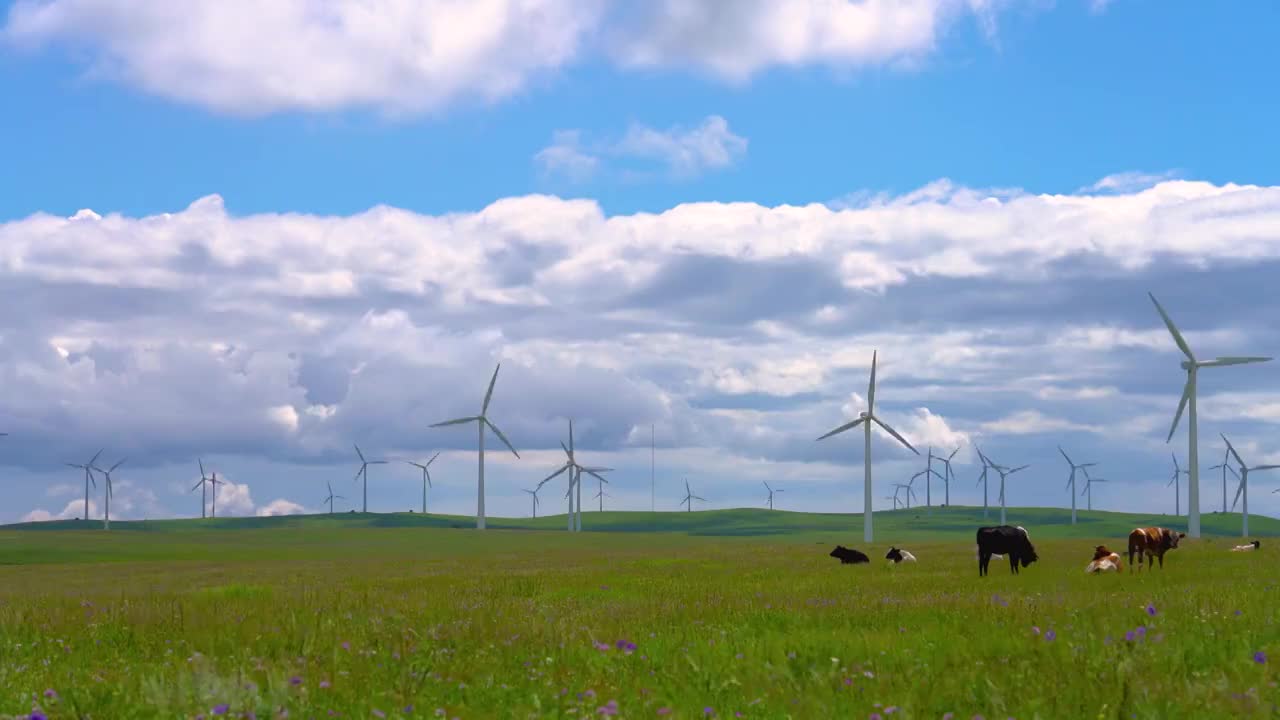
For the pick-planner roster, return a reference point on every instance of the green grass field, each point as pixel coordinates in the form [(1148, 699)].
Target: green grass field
[(712, 614)]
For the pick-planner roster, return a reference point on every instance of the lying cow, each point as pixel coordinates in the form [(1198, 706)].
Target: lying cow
[(898, 555), (1247, 548), (1104, 560), (1005, 540), (1154, 542), (848, 556)]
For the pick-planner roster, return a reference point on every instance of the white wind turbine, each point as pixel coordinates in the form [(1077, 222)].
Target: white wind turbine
[(601, 496), (1004, 473), (426, 478), (1071, 482), (1191, 365), (689, 497), (575, 479), (1088, 487), (106, 492), (88, 478), (364, 470), (865, 418), (332, 497), (1177, 496), (1243, 488), (204, 491), (534, 494), (481, 421), (771, 492), (948, 476), (982, 480), (894, 498), (1225, 465), (908, 495)]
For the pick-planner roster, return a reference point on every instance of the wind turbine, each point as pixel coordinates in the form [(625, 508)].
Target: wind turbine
[(481, 421), (1243, 488), (426, 478), (982, 480), (949, 475), (1005, 472), (1226, 455), (214, 482), (771, 492), (1191, 365), (1088, 487), (534, 493), (602, 495), (88, 478), (1177, 506), (863, 418), (910, 494), (1071, 482), (364, 470), (203, 485), (106, 493), (332, 497), (575, 479), (689, 497)]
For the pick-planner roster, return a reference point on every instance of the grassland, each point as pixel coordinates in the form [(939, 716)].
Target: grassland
[(740, 615)]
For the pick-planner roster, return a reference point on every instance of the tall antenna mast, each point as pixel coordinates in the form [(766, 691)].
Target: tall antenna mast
[(652, 451)]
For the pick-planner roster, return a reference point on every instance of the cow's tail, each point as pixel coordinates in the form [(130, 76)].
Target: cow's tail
[(1133, 546)]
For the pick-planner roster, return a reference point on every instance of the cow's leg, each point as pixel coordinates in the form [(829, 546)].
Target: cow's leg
[(1013, 563), (984, 559), (1161, 556), (1132, 548)]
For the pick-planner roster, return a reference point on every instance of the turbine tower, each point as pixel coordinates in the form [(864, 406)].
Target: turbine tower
[(1004, 472), (865, 418), (1177, 496), (1191, 365), (214, 482), (106, 492), (364, 470), (1243, 488), (426, 478), (689, 497), (1088, 487), (982, 480), (481, 421), (534, 494), (771, 492), (332, 497), (88, 478), (948, 476), (1071, 482)]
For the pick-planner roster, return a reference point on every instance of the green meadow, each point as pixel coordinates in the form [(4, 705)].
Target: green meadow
[(723, 614)]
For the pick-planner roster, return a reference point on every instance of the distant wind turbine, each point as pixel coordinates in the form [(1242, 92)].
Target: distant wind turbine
[(364, 470), (214, 482), (481, 421), (689, 497), (88, 478), (1071, 481), (203, 485), (1191, 365), (949, 475), (332, 497), (865, 418), (1004, 473), (894, 498), (601, 496), (1089, 480), (1225, 465), (771, 492), (575, 478), (1177, 499), (426, 478), (534, 494), (982, 480), (106, 493), (1243, 488), (908, 495)]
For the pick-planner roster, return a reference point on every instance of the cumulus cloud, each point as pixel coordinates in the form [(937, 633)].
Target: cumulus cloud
[(407, 56), (738, 330), (280, 506), (685, 152)]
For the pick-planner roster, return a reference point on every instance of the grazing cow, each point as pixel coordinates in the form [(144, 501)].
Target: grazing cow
[(1246, 548), (1154, 542), (1006, 540), (848, 556), (898, 555), (1104, 560)]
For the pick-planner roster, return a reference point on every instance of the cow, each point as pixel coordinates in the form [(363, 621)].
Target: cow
[(1246, 548), (1154, 542), (848, 556), (898, 555), (1006, 540), (1104, 560)]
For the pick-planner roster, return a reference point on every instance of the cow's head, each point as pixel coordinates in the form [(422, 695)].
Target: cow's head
[(839, 551), (1028, 551), (1256, 544), (1171, 539), (1100, 552), (894, 554)]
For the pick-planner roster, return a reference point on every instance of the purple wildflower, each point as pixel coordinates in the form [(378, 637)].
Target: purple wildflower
[(948, 716), (1050, 635), (1151, 610), (51, 694), (708, 710), (600, 646), (295, 680), (37, 715), (324, 684), (1129, 636), (345, 645), (891, 710), (1141, 631), (1260, 657), (408, 709), (874, 716), (220, 709), (1035, 629), (664, 711), (609, 708)]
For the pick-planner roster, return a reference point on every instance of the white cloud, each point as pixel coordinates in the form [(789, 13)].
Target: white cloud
[(1028, 422), (73, 509), (406, 56), (233, 499), (1131, 181), (685, 152), (280, 506)]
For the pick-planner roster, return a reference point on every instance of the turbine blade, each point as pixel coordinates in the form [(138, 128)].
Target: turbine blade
[(377, 462), (94, 459), (501, 437), (433, 459), (118, 464), (1173, 330), (489, 393), (417, 465), (871, 386), (357, 447), (842, 428), (459, 421), (193, 487), (1223, 361), (1239, 490), (1064, 455), (592, 474), (894, 433), (1182, 405), (1020, 467), (1232, 450), (201, 467), (570, 436), (552, 476), (953, 454), (1263, 467)]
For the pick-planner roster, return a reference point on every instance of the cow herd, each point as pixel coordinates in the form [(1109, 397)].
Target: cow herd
[(1014, 542)]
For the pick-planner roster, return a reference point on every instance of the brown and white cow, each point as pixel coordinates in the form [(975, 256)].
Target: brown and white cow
[(1247, 548), (1104, 560), (1154, 542)]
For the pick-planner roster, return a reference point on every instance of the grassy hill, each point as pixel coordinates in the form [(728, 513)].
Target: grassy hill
[(953, 523)]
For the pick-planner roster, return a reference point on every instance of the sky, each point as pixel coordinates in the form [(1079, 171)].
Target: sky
[(259, 233)]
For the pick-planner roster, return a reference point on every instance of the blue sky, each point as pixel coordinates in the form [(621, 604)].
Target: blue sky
[(306, 232)]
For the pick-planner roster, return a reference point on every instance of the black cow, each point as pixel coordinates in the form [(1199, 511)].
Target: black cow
[(848, 556), (1004, 540)]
